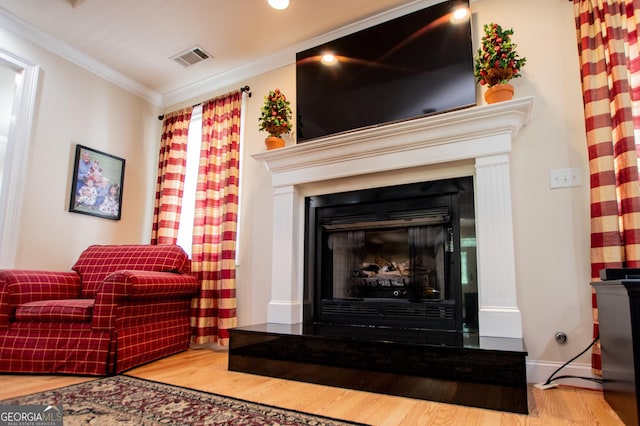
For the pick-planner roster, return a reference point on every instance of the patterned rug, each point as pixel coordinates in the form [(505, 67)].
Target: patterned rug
[(127, 400)]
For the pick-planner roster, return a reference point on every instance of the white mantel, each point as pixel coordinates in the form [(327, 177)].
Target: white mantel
[(483, 134)]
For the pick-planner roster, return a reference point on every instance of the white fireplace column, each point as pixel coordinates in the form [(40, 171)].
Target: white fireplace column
[(482, 134), (498, 313), (285, 306)]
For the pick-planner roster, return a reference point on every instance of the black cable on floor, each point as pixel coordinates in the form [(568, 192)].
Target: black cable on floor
[(551, 377)]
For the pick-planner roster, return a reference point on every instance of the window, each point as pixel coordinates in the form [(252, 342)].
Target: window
[(185, 230)]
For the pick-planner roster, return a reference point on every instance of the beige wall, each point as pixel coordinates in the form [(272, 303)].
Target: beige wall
[(551, 226), (74, 106)]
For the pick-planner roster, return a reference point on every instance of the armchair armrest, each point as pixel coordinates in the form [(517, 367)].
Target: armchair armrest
[(128, 284), (22, 286), (157, 284)]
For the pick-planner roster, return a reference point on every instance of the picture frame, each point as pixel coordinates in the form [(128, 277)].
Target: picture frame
[(96, 184)]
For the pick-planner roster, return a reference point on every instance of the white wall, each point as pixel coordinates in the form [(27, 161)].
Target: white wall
[(551, 226), (74, 106)]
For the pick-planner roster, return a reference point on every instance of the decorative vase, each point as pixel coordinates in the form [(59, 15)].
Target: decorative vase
[(274, 142), (498, 93)]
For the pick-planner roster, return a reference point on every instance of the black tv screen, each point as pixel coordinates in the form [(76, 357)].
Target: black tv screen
[(415, 65)]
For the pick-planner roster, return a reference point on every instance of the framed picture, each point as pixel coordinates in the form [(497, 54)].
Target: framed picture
[(96, 186)]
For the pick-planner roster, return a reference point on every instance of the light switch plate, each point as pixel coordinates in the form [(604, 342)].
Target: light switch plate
[(565, 178)]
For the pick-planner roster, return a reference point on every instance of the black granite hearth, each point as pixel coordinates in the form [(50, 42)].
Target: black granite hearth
[(475, 371)]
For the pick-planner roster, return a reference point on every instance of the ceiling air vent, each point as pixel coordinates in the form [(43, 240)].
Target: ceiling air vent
[(191, 56)]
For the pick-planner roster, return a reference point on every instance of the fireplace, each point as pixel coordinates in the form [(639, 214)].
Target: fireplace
[(400, 256), (451, 179), (470, 142)]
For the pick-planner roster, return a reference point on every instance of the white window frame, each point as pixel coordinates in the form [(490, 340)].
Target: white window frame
[(18, 142)]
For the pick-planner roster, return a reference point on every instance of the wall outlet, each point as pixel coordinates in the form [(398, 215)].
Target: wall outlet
[(561, 337), (565, 178)]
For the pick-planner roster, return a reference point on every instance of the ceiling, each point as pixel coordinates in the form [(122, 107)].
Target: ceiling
[(131, 41)]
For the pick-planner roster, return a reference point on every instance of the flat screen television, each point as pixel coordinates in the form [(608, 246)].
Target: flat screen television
[(414, 65)]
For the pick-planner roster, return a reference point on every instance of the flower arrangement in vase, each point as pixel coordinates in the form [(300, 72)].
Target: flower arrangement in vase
[(497, 62), (275, 118)]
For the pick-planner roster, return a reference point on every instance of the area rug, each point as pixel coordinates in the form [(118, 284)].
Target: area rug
[(124, 400)]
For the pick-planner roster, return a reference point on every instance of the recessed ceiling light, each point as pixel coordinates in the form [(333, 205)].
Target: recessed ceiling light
[(279, 4)]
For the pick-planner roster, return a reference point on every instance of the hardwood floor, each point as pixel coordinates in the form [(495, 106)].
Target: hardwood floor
[(207, 370)]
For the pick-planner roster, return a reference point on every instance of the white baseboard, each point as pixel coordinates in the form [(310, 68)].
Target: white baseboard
[(539, 372)]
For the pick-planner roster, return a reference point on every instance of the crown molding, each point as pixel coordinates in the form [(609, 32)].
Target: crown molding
[(40, 38)]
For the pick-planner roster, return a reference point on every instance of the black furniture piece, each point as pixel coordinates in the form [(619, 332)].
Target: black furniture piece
[(619, 316)]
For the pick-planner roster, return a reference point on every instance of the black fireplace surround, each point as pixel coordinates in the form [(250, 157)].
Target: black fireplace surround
[(399, 257)]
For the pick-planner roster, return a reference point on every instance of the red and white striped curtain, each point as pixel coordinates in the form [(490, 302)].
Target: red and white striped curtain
[(607, 33), (216, 217), (172, 166)]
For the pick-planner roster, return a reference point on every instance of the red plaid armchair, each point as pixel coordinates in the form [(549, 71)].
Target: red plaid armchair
[(119, 307)]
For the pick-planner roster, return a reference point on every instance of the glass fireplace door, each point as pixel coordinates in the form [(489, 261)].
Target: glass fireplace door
[(400, 263)]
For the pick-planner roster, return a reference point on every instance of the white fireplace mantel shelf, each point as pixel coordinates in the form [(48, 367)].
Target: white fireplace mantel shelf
[(434, 139), (483, 134)]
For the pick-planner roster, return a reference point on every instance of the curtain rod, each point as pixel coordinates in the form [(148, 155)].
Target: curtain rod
[(242, 90)]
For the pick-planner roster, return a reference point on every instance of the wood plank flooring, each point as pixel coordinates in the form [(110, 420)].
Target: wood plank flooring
[(206, 370)]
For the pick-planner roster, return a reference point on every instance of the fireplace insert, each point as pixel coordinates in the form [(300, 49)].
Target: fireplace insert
[(400, 256)]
